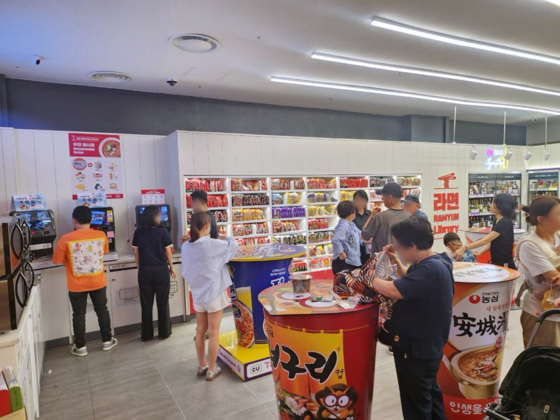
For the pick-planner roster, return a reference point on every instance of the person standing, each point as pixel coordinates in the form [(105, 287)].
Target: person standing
[(346, 240), (199, 200), (501, 239), (539, 260), (153, 252), (411, 205), (205, 270), (361, 201), (81, 252), (378, 224), (421, 321)]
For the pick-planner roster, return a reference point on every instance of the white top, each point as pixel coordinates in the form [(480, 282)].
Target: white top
[(533, 264), (204, 267)]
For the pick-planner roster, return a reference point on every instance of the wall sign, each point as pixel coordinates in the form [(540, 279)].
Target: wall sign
[(93, 199), (29, 202), (495, 159), (96, 164), (446, 206), (151, 197)]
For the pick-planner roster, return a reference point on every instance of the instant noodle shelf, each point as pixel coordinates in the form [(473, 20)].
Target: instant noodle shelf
[(287, 187), (545, 190)]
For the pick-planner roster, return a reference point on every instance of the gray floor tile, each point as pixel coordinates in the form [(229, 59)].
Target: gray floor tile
[(180, 374), (65, 403), (273, 408), (263, 388), (393, 413), (162, 407), (260, 412), (67, 415)]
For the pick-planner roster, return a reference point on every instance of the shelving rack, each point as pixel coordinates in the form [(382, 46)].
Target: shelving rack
[(542, 183), (304, 207), (483, 188)]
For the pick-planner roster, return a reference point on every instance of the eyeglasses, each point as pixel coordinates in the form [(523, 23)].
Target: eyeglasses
[(455, 243)]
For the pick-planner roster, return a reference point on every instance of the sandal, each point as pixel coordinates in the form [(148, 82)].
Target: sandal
[(201, 371), (210, 376)]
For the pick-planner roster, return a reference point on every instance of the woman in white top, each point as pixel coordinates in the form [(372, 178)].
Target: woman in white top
[(539, 256), (204, 268)]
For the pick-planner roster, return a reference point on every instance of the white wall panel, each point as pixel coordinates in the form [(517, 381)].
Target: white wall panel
[(26, 165), (216, 154), (310, 152), (267, 154), (148, 172), (229, 157), (255, 155), (200, 154), (279, 156), (242, 155)]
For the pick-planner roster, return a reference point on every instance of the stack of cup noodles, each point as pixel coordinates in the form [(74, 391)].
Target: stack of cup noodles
[(294, 239), (286, 226), (247, 229)]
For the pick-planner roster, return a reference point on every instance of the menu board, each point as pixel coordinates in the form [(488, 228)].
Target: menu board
[(151, 197), (96, 164), (94, 199), (29, 202)]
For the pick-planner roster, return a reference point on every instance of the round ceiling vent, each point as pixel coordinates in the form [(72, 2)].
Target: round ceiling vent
[(195, 43), (109, 76)]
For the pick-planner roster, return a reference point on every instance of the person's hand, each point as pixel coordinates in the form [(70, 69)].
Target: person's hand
[(172, 272), (477, 253), (557, 303), (369, 241), (185, 238), (458, 255), (342, 256), (391, 253), (375, 210)]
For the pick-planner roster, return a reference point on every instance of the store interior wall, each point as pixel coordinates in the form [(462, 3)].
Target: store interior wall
[(536, 132), (49, 106)]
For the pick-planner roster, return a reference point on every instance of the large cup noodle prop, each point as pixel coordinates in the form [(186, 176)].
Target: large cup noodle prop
[(471, 368)]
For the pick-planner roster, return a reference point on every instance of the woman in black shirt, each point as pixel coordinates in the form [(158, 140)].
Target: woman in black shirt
[(153, 252), (501, 239)]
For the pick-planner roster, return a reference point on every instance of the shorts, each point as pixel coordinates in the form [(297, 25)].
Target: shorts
[(221, 302)]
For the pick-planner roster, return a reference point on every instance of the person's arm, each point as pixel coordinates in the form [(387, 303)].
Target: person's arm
[(339, 240), (402, 270), (371, 225), (481, 242), (226, 248), (484, 249), (387, 288), (136, 258), (167, 243), (537, 264), (59, 252)]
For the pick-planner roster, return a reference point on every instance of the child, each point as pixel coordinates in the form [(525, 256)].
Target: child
[(204, 268), (453, 242), (346, 240)]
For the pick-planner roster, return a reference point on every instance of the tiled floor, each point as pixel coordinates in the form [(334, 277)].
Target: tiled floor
[(156, 381)]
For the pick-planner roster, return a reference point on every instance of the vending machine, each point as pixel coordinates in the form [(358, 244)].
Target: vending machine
[(165, 215), (42, 231), (542, 183), (103, 219)]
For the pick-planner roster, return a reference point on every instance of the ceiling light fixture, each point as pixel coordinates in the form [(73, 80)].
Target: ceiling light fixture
[(556, 2), (430, 73), (527, 154), (402, 94), (110, 76), (507, 153), (462, 42), (195, 43), (473, 154)]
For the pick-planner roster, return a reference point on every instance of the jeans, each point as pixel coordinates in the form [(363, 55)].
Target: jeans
[(421, 397), (339, 265), (78, 300), (154, 281)]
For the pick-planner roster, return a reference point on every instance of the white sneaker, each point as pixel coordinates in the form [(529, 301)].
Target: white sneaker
[(80, 352), (109, 345)]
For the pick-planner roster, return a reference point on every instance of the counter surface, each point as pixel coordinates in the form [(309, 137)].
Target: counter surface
[(268, 252), (487, 230), (280, 300), (482, 273)]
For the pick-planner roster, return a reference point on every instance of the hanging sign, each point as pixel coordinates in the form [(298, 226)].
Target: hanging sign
[(96, 164), (495, 159), (446, 206), (93, 199), (151, 197), (29, 202)]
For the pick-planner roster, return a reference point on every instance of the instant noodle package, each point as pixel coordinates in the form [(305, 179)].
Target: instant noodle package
[(315, 224), (248, 185), (213, 201), (280, 184), (239, 200), (287, 226), (321, 184), (353, 182), (288, 212), (206, 185), (248, 229), (321, 210), (239, 215), (320, 197), (297, 239)]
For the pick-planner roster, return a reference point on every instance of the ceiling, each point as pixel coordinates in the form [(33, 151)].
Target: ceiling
[(262, 38)]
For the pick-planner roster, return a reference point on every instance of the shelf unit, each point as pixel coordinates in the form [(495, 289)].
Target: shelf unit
[(483, 188), (296, 201), (542, 183)]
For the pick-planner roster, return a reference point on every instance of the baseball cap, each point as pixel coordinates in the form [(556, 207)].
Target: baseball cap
[(412, 199), (392, 188)]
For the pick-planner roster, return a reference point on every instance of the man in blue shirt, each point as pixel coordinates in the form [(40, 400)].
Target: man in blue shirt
[(412, 206), (346, 240), (421, 321)]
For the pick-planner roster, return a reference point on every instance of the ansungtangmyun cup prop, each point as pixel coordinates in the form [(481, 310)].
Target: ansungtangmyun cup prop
[(301, 284), (472, 363)]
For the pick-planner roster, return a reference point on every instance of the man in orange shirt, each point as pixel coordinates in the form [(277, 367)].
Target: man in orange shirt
[(81, 252)]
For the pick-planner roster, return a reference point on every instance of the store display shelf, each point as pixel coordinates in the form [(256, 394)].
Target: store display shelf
[(321, 256), (544, 190), (481, 196), (353, 189), (249, 207), (222, 223), (292, 232), (321, 216), (250, 192), (240, 222), (321, 230), (287, 191), (319, 243), (289, 205), (323, 190), (217, 208), (259, 235), (314, 270), (411, 187), (323, 203), (280, 219), (480, 214), (208, 192)]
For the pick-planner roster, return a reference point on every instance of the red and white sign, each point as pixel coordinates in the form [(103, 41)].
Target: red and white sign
[(151, 197), (446, 206), (96, 164)]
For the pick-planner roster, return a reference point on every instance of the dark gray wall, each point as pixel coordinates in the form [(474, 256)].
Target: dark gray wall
[(484, 133), (50, 106)]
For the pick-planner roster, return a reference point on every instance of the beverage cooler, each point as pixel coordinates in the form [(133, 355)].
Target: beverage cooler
[(542, 183), (483, 188)]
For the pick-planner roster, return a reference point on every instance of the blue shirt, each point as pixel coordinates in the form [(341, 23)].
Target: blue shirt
[(422, 319), (420, 213), (468, 256), (347, 239)]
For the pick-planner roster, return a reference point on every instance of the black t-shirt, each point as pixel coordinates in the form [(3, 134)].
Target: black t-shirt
[(151, 244), (501, 248), (422, 320), (213, 225), (360, 219)]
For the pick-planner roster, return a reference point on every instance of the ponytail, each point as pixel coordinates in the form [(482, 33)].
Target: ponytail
[(540, 206), (198, 221)]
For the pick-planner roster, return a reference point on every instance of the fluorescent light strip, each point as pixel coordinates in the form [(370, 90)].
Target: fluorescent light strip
[(431, 73), (379, 91), (462, 42), (556, 2)]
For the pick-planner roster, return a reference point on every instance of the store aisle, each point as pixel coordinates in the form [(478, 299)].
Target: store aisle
[(156, 380)]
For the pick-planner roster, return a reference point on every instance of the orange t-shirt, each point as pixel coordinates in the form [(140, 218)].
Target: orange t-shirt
[(82, 252)]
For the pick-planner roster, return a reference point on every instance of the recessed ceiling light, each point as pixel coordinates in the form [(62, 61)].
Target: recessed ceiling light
[(556, 2), (195, 43), (402, 94), (110, 76), (462, 42), (431, 73)]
